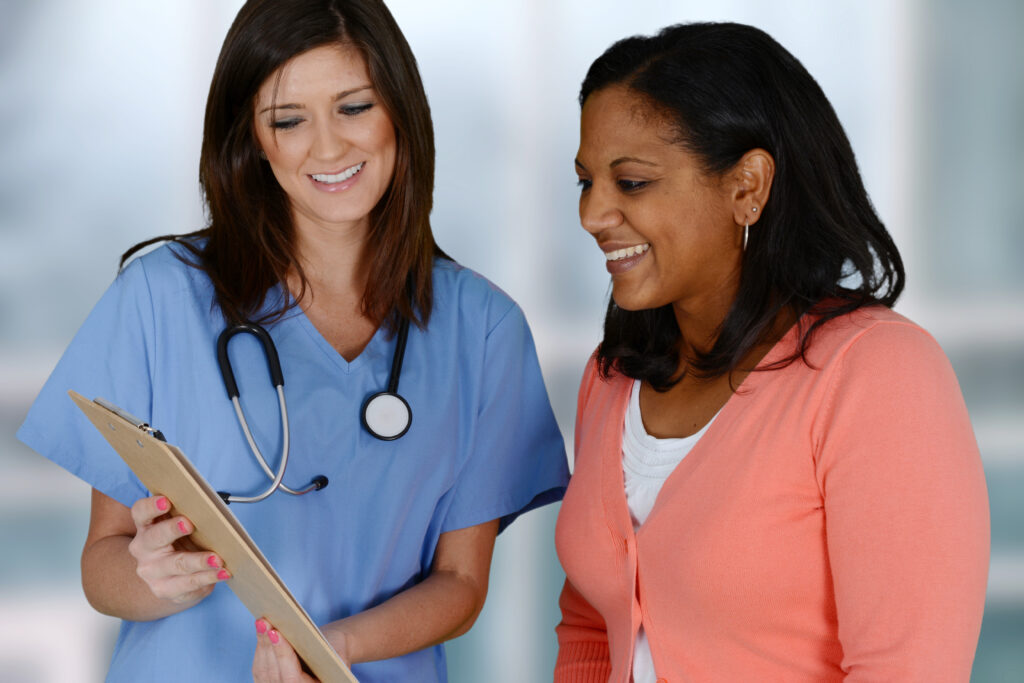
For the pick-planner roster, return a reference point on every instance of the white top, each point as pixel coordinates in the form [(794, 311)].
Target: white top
[(647, 462)]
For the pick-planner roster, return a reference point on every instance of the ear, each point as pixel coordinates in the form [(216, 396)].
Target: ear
[(752, 176)]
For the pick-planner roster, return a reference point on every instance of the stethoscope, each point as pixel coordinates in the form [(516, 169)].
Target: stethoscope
[(385, 415)]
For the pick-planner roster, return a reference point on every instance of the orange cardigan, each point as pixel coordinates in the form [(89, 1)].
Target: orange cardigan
[(832, 524)]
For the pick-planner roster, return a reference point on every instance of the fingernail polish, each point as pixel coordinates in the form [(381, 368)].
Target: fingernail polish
[(212, 561), (223, 575), (182, 527), (274, 637), (261, 626), (162, 504)]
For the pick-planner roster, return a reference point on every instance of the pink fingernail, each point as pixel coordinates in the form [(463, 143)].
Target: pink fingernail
[(273, 636), (223, 575), (181, 525), (212, 561), (162, 504), (261, 626)]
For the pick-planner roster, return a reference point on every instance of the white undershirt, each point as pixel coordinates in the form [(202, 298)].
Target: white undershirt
[(646, 463)]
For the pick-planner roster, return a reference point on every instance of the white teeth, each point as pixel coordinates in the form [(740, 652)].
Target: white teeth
[(620, 254), (344, 175)]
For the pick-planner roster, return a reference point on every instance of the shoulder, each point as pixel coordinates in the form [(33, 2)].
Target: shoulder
[(165, 271), (597, 390), (463, 293), (874, 336), (877, 358)]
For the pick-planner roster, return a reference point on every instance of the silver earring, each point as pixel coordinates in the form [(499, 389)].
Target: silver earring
[(753, 209), (746, 235)]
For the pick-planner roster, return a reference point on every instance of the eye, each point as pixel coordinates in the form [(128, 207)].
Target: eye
[(631, 185), (355, 109), (584, 184), (285, 124)]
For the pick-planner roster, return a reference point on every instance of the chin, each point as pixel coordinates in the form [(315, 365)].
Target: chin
[(633, 304)]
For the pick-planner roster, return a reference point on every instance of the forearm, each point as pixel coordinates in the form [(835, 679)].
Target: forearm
[(113, 587), (441, 607)]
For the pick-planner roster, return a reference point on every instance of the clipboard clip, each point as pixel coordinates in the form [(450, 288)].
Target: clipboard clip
[(128, 417)]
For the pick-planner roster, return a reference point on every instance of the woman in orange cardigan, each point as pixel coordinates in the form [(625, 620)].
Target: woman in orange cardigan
[(776, 477)]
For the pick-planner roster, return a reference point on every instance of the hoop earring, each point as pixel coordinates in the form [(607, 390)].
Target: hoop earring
[(746, 235)]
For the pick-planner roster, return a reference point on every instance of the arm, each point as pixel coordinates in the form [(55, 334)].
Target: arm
[(132, 567), (906, 511), (582, 641), (439, 608)]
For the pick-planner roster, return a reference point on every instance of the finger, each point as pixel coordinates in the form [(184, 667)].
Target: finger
[(160, 536), (145, 510), (264, 663), (185, 586), (288, 665), (185, 564)]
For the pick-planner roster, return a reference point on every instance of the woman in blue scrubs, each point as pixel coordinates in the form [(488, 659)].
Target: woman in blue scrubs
[(317, 169)]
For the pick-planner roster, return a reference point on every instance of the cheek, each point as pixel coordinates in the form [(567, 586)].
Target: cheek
[(386, 152)]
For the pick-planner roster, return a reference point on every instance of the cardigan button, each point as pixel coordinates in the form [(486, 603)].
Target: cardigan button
[(662, 680)]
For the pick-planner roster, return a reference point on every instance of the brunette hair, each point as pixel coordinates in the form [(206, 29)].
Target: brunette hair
[(249, 244), (818, 247)]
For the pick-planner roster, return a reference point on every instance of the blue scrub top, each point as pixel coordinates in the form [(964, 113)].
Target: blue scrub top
[(483, 444)]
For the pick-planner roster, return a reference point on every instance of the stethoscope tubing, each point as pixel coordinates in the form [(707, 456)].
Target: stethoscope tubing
[(277, 379)]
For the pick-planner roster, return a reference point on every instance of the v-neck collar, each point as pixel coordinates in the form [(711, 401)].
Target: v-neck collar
[(612, 473), (297, 316)]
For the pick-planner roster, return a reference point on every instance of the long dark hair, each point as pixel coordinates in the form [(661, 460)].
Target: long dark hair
[(818, 247), (249, 244)]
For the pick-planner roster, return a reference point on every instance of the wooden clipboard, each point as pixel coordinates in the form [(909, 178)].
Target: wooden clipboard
[(164, 470)]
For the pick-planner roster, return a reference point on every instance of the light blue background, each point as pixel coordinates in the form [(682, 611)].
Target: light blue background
[(100, 123)]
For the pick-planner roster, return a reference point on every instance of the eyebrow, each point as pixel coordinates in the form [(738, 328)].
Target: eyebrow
[(636, 160), (342, 95), (620, 161)]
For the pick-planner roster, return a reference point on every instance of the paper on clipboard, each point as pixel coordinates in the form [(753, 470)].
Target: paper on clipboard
[(164, 470)]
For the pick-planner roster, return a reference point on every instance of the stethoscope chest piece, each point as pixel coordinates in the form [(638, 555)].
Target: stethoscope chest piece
[(387, 416)]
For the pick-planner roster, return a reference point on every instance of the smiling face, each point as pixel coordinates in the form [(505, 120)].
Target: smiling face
[(327, 138), (667, 229)]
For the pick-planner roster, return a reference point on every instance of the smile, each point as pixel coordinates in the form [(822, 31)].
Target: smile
[(338, 177), (620, 254)]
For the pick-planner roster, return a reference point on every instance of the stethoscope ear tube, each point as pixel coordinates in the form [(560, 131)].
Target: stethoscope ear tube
[(269, 350)]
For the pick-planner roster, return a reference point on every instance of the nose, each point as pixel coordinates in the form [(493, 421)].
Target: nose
[(598, 211), (328, 144)]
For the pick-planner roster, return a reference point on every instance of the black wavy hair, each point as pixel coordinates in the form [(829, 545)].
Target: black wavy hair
[(819, 247)]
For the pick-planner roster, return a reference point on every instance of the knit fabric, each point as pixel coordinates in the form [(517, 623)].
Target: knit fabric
[(831, 524)]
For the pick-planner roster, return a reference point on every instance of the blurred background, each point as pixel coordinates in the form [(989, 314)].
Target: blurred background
[(100, 124)]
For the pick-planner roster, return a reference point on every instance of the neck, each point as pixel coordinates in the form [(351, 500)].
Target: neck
[(699, 321), (335, 262), (700, 332)]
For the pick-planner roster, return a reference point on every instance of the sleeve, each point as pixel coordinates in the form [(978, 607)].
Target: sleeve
[(906, 510), (109, 357), (583, 655), (582, 641), (517, 460)]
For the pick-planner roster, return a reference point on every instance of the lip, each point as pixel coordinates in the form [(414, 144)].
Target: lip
[(622, 265), (625, 264), (337, 187)]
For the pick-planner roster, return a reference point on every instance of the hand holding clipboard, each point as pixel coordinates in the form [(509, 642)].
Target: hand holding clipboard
[(164, 469)]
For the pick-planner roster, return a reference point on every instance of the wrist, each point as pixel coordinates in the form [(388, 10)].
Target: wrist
[(341, 640)]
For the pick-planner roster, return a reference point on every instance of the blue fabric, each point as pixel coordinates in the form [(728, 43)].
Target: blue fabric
[(483, 444)]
